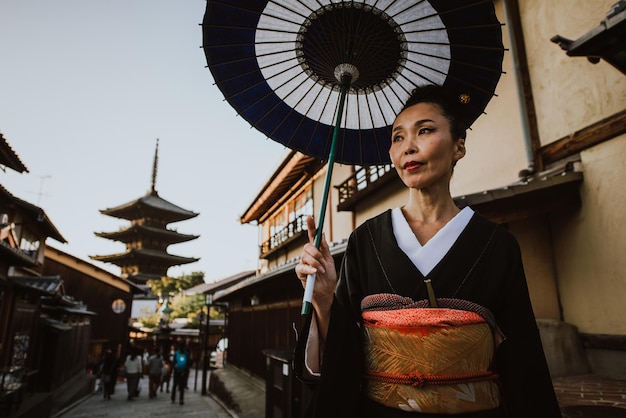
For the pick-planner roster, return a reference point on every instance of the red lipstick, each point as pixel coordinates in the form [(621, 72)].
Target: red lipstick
[(412, 165)]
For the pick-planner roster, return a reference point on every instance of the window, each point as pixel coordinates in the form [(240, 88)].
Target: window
[(289, 220), (29, 243)]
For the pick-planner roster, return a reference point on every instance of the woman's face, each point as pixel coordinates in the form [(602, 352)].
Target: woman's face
[(422, 148)]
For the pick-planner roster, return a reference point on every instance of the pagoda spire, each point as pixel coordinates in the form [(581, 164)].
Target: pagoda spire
[(155, 165)]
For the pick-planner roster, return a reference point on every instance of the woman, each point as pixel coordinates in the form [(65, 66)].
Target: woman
[(426, 253), (155, 372), (134, 370)]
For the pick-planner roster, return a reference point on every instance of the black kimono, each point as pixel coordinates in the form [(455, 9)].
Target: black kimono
[(483, 266)]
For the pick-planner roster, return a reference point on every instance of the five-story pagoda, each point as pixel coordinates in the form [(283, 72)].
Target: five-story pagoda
[(148, 236)]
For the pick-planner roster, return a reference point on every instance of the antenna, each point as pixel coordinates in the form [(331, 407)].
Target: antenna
[(41, 193)]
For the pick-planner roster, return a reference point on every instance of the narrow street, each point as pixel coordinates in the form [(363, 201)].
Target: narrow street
[(196, 405)]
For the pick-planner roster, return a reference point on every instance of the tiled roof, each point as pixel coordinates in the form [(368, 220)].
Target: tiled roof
[(131, 233), (9, 158), (150, 203), (142, 254), (37, 215), (49, 285)]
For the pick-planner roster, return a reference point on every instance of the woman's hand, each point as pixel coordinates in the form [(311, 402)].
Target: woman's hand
[(321, 263)]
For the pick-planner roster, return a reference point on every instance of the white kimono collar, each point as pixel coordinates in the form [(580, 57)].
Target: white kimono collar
[(426, 257)]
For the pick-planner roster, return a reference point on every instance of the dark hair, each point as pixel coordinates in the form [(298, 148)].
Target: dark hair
[(449, 102)]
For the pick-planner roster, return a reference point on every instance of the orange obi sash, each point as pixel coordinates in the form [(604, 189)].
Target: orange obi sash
[(430, 360)]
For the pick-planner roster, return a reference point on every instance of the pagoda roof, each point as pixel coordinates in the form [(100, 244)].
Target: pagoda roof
[(140, 279), (130, 234), (151, 205), (137, 255)]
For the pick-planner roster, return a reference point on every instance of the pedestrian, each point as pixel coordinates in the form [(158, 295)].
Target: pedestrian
[(144, 357), (181, 368), (166, 374), (109, 368), (430, 314), (134, 372), (155, 369)]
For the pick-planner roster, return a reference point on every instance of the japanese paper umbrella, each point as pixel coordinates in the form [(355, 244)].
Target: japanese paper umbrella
[(327, 78)]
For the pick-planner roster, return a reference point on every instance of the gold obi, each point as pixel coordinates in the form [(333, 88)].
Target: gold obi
[(430, 360)]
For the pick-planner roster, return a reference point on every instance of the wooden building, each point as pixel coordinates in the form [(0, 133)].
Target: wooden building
[(44, 332), (25, 228), (109, 296)]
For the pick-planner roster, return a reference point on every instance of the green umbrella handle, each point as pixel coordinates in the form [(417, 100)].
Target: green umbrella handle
[(310, 281)]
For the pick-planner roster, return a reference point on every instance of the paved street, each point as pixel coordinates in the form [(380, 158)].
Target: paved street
[(196, 405), (585, 396)]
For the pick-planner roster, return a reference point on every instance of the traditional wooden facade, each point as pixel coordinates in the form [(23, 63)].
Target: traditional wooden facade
[(109, 296), (148, 237), (25, 228), (44, 332)]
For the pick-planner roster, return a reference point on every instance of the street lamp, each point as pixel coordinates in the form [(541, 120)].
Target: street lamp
[(208, 299), (165, 313)]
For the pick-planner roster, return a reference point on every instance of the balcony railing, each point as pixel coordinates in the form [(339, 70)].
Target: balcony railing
[(291, 231), (17, 256), (363, 182)]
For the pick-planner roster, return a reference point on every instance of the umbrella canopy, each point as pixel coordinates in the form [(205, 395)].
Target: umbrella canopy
[(328, 78), (280, 65)]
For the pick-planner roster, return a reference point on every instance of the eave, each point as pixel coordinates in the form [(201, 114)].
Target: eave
[(43, 285), (220, 284), (91, 270), (138, 232), (37, 217), (138, 256), (150, 206), (605, 41), (542, 194), (291, 173), (8, 157)]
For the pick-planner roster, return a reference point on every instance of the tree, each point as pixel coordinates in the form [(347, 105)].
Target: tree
[(188, 306), (170, 286)]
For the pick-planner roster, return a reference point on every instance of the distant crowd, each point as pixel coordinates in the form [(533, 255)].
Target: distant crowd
[(161, 368)]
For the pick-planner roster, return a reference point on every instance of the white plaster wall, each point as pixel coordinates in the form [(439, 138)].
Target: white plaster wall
[(535, 242), (590, 244), (569, 92)]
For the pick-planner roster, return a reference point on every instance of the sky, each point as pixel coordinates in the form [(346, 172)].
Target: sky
[(86, 89)]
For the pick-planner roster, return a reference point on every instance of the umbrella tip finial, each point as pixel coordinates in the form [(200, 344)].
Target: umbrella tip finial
[(346, 69)]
